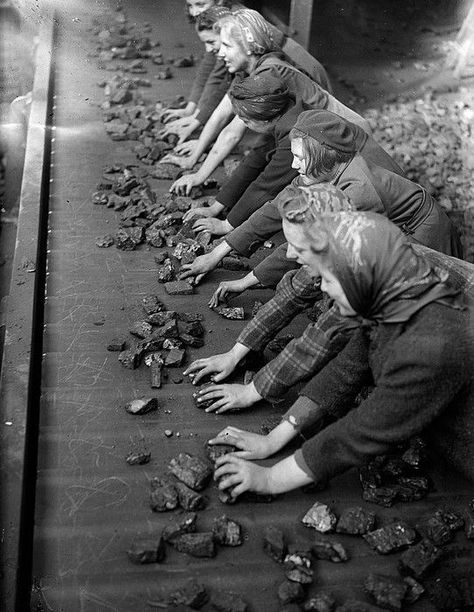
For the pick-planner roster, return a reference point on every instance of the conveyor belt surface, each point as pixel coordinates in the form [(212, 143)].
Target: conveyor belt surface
[(89, 503)]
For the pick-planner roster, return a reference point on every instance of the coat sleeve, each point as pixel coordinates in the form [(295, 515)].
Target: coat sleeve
[(204, 70), (215, 89), (272, 269), (277, 174), (246, 172), (419, 374), (261, 225)]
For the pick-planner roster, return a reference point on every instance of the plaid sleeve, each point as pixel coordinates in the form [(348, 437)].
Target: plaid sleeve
[(296, 291), (306, 355)]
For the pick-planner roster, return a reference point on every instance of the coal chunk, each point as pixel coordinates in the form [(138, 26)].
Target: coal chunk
[(190, 317), (141, 329), (329, 551), (175, 358), (236, 313), (225, 601), (179, 287), (128, 238), (167, 272), (391, 537), (165, 171), (193, 328), (193, 341), (289, 592), (116, 344), (214, 451), (226, 531), (104, 242), (191, 595), (192, 470), (163, 496), (138, 458), (142, 406), (130, 358), (321, 602), (355, 521), (418, 559), (414, 590), (300, 574), (196, 544), (189, 499), (386, 591), (185, 524), (320, 517), (435, 529), (147, 550), (161, 318), (274, 543), (152, 305)]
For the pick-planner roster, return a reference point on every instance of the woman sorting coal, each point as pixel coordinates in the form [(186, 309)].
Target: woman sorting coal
[(248, 47), (213, 80), (414, 342), (327, 148)]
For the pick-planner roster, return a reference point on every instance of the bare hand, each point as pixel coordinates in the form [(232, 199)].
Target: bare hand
[(199, 267), (183, 127), (219, 365), (171, 114), (240, 475), (226, 287), (183, 185), (252, 445), (187, 148), (215, 226), (201, 211), (227, 397)]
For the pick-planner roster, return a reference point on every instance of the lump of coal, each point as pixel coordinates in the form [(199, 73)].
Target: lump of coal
[(175, 358), (190, 317), (417, 560), (152, 305), (300, 574), (192, 594), (192, 470), (185, 524), (194, 328), (168, 330), (435, 529), (130, 358), (391, 537), (192, 341), (320, 517), (386, 591), (141, 329), (225, 601), (165, 171), (356, 521), (163, 496), (214, 451), (147, 550), (414, 590), (321, 602), (154, 237), (138, 458), (329, 551), (179, 287), (184, 62), (104, 242), (196, 544), (161, 318), (289, 592), (128, 238), (142, 406), (415, 455), (274, 543), (236, 313), (226, 531), (167, 272), (189, 499), (278, 344), (116, 344)]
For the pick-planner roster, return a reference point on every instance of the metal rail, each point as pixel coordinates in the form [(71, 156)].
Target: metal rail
[(21, 366)]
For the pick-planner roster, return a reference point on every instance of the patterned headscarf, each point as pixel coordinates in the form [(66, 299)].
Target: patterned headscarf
[(207, 19), (256, 33), (383, 277), (259, 97)]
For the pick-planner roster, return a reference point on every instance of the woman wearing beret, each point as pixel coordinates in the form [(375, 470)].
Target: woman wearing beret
[(414, 341), (248, 47)]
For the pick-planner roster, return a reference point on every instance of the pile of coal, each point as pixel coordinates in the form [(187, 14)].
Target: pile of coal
[(388, 479)]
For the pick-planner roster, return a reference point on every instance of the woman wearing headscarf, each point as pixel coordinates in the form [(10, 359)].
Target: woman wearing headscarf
[(414, 342), (327, 148), (244, 36)]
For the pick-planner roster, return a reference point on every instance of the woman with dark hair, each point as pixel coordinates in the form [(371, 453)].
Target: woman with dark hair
[(248, 48), (414, 342), (326, 148)]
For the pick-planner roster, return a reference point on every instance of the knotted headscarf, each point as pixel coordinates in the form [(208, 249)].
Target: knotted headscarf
[(207, 19), (305, 204), (256, 34), (383, 277), (331, 130), (259, 97)]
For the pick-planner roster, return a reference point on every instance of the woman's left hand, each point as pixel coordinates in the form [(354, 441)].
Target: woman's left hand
[(241, 475), (229, 397), (215, 226), (251, 445)]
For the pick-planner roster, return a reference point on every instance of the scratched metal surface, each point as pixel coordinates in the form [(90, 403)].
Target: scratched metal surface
[(90, 503)]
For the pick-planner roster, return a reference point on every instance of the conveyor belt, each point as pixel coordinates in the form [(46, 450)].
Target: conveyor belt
[(89, 503)]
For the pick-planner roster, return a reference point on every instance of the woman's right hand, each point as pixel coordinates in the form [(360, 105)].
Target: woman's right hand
[(186, 149), (226, 287), (202, 211), (220, 366), (183, 185), (171, 114), (251, 445), (199, 267)]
